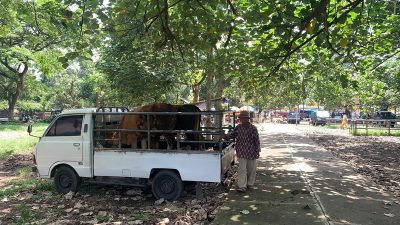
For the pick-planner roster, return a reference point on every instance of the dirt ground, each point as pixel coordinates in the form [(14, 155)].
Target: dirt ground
[(99, 204), (375, 157)]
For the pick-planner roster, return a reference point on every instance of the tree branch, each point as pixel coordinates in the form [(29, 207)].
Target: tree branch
[(39, 48), (317, 11), (83, 12), (232, 7), (36, 21), (153, 18), (202, 6), (3, 74), (5, 63), (277, 67), (383, 61)]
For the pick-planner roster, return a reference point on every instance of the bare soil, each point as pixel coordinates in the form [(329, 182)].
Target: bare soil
[(99, 204), (375, 157)]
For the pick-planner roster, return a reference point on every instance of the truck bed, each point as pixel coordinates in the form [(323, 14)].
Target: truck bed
[(203, 166)]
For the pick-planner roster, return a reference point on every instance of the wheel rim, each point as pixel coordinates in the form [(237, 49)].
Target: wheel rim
[(167, 186), (65, 181)]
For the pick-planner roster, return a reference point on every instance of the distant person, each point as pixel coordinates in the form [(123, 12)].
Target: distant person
[(344, 123), (247, 151)]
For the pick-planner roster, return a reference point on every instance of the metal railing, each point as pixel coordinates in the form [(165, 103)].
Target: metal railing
[(107, 129), (372, 126)]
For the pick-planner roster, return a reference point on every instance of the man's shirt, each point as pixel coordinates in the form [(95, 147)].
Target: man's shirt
[(247, 141)]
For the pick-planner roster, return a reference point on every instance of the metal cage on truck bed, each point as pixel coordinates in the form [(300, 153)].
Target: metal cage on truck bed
[(108, 130)]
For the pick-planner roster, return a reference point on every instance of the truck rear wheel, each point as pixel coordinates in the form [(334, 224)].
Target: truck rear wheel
[(66, 180), (168, 185)]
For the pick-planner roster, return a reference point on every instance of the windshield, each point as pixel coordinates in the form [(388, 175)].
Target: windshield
[(323, 114)]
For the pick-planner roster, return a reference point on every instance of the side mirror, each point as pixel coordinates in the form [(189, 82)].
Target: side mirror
[(29, 128)]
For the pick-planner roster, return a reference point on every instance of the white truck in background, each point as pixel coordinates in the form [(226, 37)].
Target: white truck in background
[(71, 152)]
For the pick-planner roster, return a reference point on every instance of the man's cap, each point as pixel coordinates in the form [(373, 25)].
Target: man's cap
[(244, 114)]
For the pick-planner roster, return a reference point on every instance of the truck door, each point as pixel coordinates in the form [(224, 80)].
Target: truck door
[(62, 142)]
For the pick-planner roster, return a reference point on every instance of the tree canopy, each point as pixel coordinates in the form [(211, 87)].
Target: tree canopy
[(336, 53)]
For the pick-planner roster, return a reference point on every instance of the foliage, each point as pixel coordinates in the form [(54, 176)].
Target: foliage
[(271, 53), (23, 106), (3, 105)]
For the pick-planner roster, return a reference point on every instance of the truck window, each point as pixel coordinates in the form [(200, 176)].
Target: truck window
[(66, 126)]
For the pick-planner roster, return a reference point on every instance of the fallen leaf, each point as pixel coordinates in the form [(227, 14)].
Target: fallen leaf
[(87, 214), (136, 222), (245, 212), (102, 213), (159, 201), (69, 195), (389, 214), (78, 205), (69, 210)]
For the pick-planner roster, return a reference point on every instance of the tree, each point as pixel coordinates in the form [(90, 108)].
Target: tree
[(35, 34)]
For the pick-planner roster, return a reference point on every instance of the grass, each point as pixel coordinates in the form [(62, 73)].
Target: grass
[(371, 131), (15, 126), (22, 143), (27, 215), (332, 126), (384, 132), (26, 182), (143, 216)]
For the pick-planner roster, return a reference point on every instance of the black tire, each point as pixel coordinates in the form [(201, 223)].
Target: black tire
[(66, 180), (167, 185)]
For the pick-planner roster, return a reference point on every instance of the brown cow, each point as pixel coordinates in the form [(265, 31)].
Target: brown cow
[(159, 122), (131, 138)]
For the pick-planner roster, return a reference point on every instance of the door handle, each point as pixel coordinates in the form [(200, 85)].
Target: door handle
[(77, 144)]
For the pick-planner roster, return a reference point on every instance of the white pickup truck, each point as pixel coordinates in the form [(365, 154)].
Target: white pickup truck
[(71, 153)]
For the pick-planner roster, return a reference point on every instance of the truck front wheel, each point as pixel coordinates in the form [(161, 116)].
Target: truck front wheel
[(168, 185), (66, 180)]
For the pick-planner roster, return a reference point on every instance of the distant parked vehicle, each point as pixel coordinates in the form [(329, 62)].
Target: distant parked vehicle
[(280, 113), (305, 113), (293, 117), (385, 115), (319, 117)]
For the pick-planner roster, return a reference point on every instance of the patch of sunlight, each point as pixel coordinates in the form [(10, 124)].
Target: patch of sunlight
[(297, 167), (225, 208), (236, 218), (352, 197), (302, 145), (253, 207)]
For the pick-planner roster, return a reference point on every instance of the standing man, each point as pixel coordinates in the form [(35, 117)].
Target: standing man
[(247, 151)]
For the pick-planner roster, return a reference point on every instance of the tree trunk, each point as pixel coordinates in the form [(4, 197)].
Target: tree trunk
[(210, 78), (196, 92), (12, 102), (220, 91)]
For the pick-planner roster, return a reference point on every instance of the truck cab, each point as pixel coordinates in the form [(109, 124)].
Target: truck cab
[(70, 152)]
